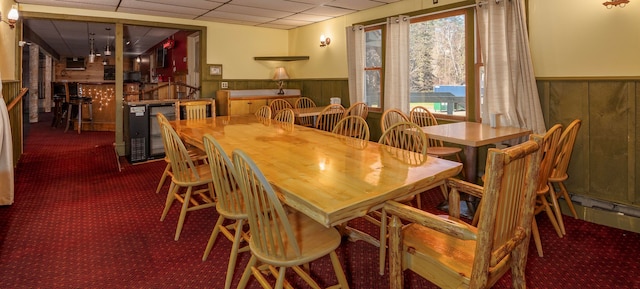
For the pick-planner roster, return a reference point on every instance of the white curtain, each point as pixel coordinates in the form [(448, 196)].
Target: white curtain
[(396, 76), (355, 59), (6, 154), (510, 89)]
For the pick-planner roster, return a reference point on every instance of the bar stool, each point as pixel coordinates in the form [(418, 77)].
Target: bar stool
[(58, 110), (74, 110)]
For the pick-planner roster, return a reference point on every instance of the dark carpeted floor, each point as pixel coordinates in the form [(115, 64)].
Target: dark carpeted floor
[(78, 222)]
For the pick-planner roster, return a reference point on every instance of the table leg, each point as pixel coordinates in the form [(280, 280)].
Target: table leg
[(79, 117), (470, 163)]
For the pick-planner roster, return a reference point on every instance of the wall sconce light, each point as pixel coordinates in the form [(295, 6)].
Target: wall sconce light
[(617, 3), (324, 41), (138, 59), (12, 17), (279, 76)]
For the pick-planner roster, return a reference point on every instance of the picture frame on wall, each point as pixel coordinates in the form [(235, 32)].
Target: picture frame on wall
[(215, 70)]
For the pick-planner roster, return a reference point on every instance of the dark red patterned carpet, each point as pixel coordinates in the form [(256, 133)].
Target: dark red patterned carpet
[(78, 222)]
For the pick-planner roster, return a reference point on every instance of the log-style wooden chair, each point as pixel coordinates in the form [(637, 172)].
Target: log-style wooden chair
[(452, 254), (285, 115), (230, 205), (391, 116), (559, 172), (421, 116), (277, 105), (329, 117), (279, 238), (196, 109), (186, 174), (359, 109), (196, 155), (263, 112), (305, 102), (353, 126)]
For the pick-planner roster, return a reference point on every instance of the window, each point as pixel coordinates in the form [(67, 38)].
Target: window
[(373, 67), (438, 63)]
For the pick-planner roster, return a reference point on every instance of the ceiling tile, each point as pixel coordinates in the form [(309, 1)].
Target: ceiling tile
[(329, 11), (159, 7), (237, 9), (355, 4)]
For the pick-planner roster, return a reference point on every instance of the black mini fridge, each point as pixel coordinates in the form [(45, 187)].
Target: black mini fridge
[(142, 136)]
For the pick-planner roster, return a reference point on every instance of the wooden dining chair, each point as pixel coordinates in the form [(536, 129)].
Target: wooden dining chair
[(195, 109), (421, 116), (452, 254), (196, 155), (230, 205), (278, 104), (186, 174), (285, 115), (390, 117), (280, 238), (548, 149), (359, 109), (408, 140), (560, 167), (329, 117), (305, 102), (352, 126), (263, 112)]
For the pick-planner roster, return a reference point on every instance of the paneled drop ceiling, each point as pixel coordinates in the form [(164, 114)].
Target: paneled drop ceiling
[(70, 38)]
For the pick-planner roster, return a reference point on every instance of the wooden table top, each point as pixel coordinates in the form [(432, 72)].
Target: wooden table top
[(473, 134), (330, 178), (308, 111)]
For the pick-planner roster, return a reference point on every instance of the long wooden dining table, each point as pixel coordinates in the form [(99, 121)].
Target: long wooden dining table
[(330, 178)]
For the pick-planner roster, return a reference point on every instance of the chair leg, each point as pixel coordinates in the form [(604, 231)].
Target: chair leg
[(567, 199), (171, 196), (280, 280), (547, 208), (212, 238), (536, 236), (337, 267), (164, 177), (183, 212), (247, 272), (556, 209), (234, 254)]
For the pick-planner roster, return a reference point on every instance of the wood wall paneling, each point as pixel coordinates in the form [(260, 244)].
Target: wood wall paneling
[(603, 164)]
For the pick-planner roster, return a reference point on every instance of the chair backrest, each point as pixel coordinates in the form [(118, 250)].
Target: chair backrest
[(277, 105), (329, 117), (421, 116), (359, 109), (352, 126), (405, 136), (271, 233), (565, 148), (195, 109), (303, 102), (183, 168), (285, 115), (229, 198), (263, 112), (391, 116), (549, 147), (508, 199)]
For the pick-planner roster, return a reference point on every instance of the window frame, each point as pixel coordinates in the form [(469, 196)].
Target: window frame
[(382, 28), (471, 103)]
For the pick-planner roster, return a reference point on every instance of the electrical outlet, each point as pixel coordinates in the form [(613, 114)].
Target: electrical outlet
[(435, 1), (224, 84)]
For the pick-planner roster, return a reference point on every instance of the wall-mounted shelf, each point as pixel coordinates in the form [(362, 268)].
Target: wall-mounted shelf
[(280, 58)]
